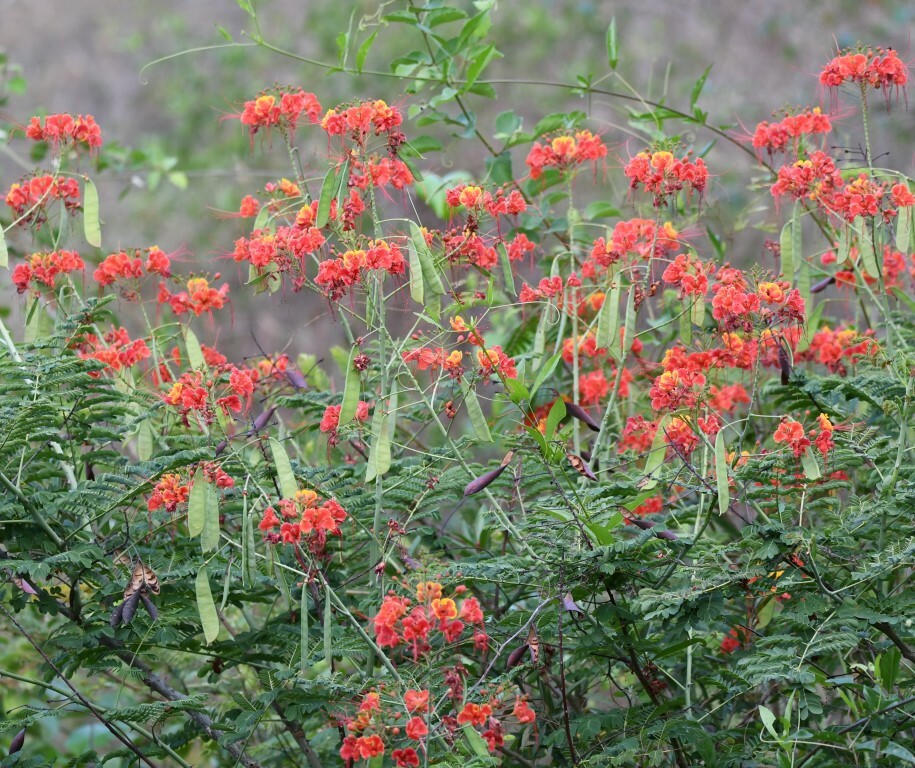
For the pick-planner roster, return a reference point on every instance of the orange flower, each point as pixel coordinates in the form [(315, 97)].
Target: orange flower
[(428, 590), (444, 609), (416, 701), (523, 711)]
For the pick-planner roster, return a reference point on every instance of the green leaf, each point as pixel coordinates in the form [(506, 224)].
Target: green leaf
[(903, 231), (768, 720), (364, 50), (196, 505), (476, 742), (810, 465), (352, 388), (608, 320), (249, 553), (328, 629), (557, 413), (545, 372), (697, 311), (866, 247), (284, 473), (303, 631), (194, 350), (209, 619), (887, 665), (4, 251), (145, 440), (417, 284), (475, 412), (628, 330), (479, 63), (328, 193), (613, 49), (844, 247), (427, 263), (790, 245), (697, 88), (209, 538), (600, 210), (507, 274), (721, 473), (517, 392), (655, 455), (379, 460), (91, 226)]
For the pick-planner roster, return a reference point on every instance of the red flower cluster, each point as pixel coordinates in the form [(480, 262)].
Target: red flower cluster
[(689, 275), (662, 174), (281, 108), (124, 266), (836, 348), (397, 623), (337, 275), (477, 200), (169, 492), (736, 638), (494, 360), (640, 237), (676, 389), (791, 433), (29, 198), (877, 68), (44, 268), (436, 358), (805, 178), (303, 519), (331, 418), (285, 248), (362, 119), (191, 393), (116, 351), (380, 172), (199, 297), (736, 306), (565, 152), (63, 129), (775, 137)]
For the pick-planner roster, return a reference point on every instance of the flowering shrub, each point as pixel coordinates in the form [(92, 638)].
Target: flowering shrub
[(582, 491)]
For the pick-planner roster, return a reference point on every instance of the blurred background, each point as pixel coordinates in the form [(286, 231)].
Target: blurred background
[(173, 160)]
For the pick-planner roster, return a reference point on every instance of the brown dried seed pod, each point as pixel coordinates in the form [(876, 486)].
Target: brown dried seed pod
[(580, 466)]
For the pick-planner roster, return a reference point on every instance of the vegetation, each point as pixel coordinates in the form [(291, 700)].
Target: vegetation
[(577, 490)]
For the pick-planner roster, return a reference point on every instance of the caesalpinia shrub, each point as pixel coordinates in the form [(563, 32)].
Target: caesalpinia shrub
[(582, 491)]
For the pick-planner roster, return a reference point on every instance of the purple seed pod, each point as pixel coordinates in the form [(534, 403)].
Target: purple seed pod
[(150, 608), (784, 363), (516, 656), (570, 605), (221, 446), (24, 585), (295, 377), (488, 478), (822, 285), (17, 742), (576, 411), (261, 421), (647, 525), (117, 615), (130, 607)]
